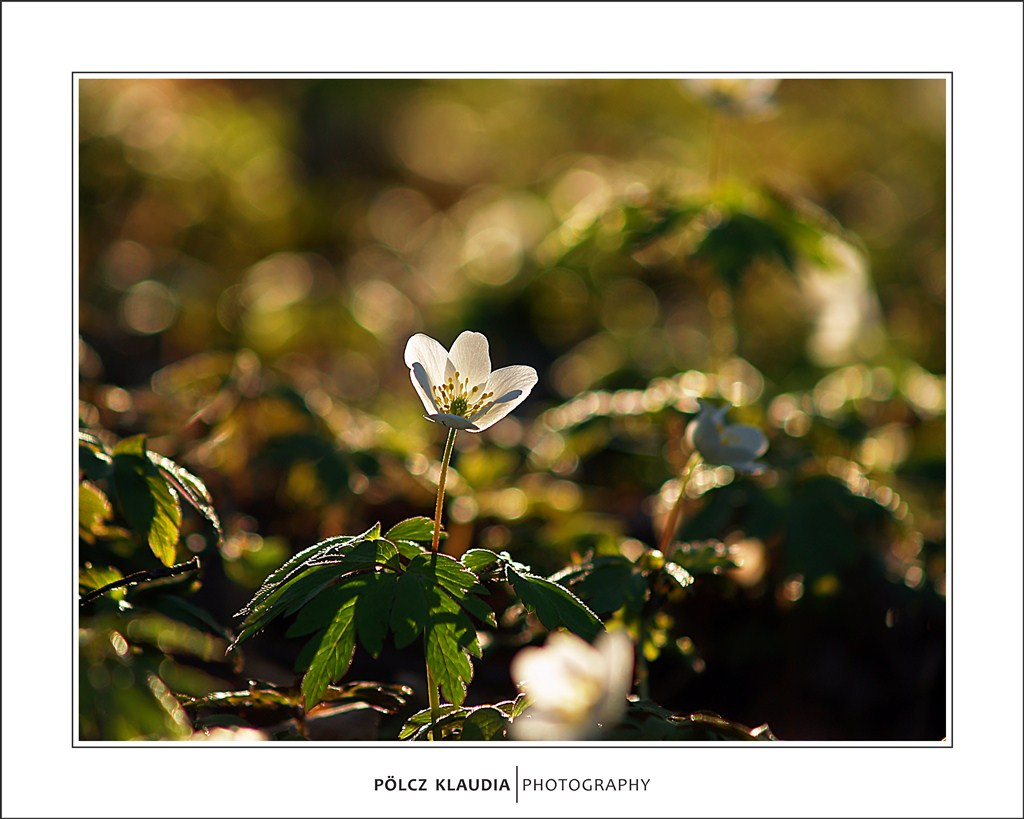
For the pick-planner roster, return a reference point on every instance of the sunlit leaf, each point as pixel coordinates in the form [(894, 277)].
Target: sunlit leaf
[(148, 502), (189, 487), (418, 528), (484, 724), (94, 511), (554, 604), (418, 725), (334, 654)]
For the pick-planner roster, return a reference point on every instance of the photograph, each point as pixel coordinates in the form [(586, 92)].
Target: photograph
[(539, 409)]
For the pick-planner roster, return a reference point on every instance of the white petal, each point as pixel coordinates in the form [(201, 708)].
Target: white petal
[(510, 386), (470, 358), (421, 383), (746, 437), (452, 421), (702, 434), (430, 354)]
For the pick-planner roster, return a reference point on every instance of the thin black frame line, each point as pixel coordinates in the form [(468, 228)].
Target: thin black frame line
[(594, 746)]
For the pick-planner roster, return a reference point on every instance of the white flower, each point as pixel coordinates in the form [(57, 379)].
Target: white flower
[(575, 688), (736, 445), (457, 387), (232, 734), (739, 97)]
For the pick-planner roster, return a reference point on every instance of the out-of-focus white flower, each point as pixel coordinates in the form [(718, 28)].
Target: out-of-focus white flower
[(575, 689), (457, 387), (847, 316), (736, 445), (230, 735), (739, 97)]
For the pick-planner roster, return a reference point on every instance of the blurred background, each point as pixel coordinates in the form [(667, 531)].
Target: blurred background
[(254, 255)]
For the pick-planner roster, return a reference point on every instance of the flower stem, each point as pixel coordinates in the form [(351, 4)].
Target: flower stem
[(433, 693), (448, 446), (676, 515)]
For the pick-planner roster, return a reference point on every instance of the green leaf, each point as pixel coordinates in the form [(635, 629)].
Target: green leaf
[(479, 609), (447, 640), (484, 724), (418, 528), (461, 584), (296, 565), (190, 487), (446, 572), (554, 605), (96, 577), (481, 561), (418, 724), (513, 708), (148, 502), (611, 583), (94, 511), (410, 613), (334, 654), (93, 458), (288, 598), (373, 610), (409, 550)]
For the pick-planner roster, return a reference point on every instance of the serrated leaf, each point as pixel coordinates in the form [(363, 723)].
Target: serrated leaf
[(296, 565), (518, 706), (96, 577), (318, 612), (480, 560), (611, 583), (409, 550), (479, 609), (488, 565), (448, 659), (94, 511), (418, 528), (373, 610), (287, 598), (334, 654), (554, 604), (446, 572), (456, 580), (484, 724), (421, 720), (410, 612), (148, 502), (190, 487)]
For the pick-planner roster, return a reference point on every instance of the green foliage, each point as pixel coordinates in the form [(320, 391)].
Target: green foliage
[(480, 723), (636, 282), (148, 501), (264, 704), (646, 720), (361, 588)]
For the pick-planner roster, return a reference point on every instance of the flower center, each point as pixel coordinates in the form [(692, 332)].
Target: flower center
[(455, 397)]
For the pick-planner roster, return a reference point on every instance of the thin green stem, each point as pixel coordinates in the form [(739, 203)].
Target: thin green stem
[(433, 693), (676, 515), (448, 446)]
